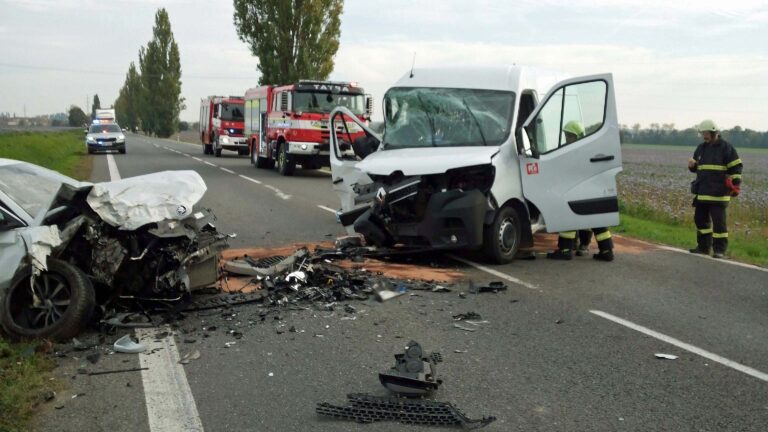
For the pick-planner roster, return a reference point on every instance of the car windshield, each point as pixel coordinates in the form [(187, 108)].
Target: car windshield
[(232, 112), (31, 187), (104, 128), (445, 117), (320, 102)]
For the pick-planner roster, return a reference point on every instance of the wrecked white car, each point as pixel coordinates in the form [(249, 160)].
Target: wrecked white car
[(478, 157), (67, 246)]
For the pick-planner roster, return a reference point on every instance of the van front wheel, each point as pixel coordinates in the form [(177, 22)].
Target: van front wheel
[(501, 239)]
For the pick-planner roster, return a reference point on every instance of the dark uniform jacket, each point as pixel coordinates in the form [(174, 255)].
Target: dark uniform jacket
[(715, 162)]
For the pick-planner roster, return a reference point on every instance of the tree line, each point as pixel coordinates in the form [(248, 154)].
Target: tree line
[(667, 134)]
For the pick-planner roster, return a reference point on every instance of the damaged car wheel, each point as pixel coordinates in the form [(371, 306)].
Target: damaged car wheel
[(57, 304), (501, 239)]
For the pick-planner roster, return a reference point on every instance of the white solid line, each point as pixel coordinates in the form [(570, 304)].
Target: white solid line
[(250, 179), (208, 163), (688, 347), (169, 400), (327, 208), (278, 192), (685, 252), (494, 272), (227, 170), (114, 174), (197, 159)]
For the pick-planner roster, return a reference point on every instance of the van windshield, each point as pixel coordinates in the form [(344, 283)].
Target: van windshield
[(444, 117)]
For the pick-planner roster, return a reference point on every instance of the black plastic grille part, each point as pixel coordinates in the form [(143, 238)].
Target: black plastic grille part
[(365, 408)]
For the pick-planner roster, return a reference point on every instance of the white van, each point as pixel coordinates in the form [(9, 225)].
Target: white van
[(477, 157)]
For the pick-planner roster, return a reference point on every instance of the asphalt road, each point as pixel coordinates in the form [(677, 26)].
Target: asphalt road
[(551, 357)]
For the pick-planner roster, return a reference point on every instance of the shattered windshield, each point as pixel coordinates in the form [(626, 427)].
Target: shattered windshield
[(232, 112), (444, 117), (319, 102), (30, 186)]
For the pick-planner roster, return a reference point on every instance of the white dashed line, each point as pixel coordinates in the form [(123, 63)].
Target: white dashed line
[(189, 156), (114, 174), (197, 159), (249, 179), (494, 272), (278, 192), (680, 344), (227, 170), (208, 163), (327, 209)]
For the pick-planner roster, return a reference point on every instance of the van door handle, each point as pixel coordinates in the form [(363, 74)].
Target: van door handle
[(601, 158)]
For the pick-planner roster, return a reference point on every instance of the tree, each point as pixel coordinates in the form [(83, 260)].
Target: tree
[(160, 95), (96, 105), (293, 39), (128, 102), (77, 116)]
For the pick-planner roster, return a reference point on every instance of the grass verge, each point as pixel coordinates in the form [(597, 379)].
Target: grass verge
[(24, 380), (60, 151), (753, 250)]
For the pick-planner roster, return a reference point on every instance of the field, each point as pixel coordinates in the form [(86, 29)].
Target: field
[(60, 151), (654, 186)]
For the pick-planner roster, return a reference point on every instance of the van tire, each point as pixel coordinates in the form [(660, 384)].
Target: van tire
[(502, 238)]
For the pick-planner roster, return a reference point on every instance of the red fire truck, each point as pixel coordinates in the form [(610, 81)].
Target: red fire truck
[(288, 125), (221, 125)]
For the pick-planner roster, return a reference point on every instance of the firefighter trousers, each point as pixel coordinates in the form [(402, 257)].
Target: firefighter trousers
[(566, 240), (711, 229)]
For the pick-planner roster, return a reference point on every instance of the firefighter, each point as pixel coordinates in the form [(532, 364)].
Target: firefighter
[(566, 241), (718, 178)]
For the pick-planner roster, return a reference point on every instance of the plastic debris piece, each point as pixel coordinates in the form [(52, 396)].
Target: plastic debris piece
[(414, 372), (188, 357), (385, 295), (665, 356), (229, 344), (109, 372), (467, 316), (465, 328), (126, 345)]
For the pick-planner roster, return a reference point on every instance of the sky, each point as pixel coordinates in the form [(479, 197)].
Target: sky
[(673, 61)]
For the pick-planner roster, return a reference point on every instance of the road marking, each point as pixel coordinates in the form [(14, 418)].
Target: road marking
[(327, 209), (688, 347), (187, 155), (278, 192), (227, 170), (249, 179), (169, 400), (325, 170), (114, 174), (685, 252), (208, 163), (494, 272), (197, 159)]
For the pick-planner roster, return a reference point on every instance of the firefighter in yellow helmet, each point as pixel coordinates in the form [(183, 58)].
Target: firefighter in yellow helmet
[(566, 241), (718, 178)]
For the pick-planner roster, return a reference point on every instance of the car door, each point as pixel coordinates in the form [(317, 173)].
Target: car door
[(344, 173), (573, 182)]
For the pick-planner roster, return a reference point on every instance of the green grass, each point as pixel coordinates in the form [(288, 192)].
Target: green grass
[(24, 378), (751, 249), (60, 151), (690, 147)]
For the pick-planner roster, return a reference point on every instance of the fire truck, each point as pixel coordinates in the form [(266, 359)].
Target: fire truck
[(221, 125), (288, 125)]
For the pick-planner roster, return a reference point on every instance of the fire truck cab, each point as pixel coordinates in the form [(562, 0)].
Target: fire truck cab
[(288, 125), (221, 125)]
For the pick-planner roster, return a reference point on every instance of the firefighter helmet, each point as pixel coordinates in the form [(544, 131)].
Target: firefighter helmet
[(574, 127), (707, 126)]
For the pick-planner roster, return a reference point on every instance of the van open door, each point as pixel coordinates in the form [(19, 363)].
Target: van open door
[(344, 173), (572, 153)]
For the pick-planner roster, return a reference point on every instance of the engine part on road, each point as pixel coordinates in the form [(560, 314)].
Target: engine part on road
[(414, 373), (364, 408)]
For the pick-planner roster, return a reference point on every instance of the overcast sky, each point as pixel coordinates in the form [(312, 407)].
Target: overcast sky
[(673, 61)]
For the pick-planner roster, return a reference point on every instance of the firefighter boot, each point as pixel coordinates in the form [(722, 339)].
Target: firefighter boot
[(566, 241), (604, 255), (560, 254), (704, 243)]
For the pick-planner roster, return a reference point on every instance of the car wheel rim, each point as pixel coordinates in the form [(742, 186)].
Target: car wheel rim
[(507, 236), (45, 304)]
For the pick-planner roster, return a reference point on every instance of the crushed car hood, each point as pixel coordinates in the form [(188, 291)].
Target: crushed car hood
[(425, 160), (136, 201)]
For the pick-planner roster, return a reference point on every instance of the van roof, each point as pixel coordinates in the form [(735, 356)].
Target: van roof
[(508, 78)]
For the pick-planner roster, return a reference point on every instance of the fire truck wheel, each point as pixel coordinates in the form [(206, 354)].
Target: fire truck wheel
[(217, 148), (285, 163)]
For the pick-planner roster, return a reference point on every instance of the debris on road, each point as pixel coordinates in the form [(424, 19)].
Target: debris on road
[(126, 345), (188, 357), (116, 371), (364, 408), (493, 287), (467, 316), (665, 356), (414, 373), (465, 328)]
